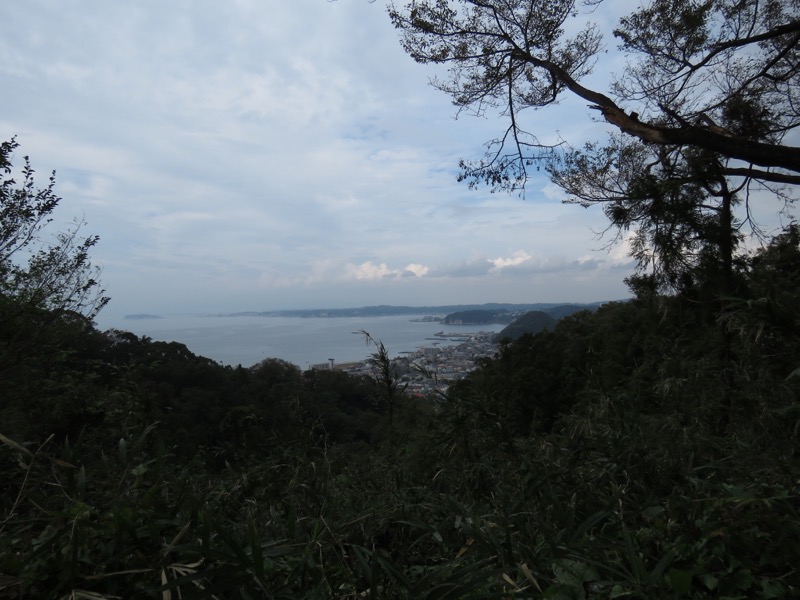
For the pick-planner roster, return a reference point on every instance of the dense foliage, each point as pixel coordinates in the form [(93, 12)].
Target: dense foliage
[(648, 449)]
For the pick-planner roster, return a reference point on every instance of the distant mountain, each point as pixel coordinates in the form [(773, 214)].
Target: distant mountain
[(142, 317)]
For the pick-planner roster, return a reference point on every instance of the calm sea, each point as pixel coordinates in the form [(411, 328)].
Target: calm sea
[(302, 341)]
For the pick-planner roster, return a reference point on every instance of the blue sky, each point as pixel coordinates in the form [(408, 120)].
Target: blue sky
[(257, 155)]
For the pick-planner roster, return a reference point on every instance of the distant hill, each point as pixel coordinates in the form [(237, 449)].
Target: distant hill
[(532, 322), (385, 310), (536, 321), (511, 313), (564, 310), (479, 317), (504, 312)]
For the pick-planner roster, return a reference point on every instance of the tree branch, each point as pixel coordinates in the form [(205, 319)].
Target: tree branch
[(762, 175)]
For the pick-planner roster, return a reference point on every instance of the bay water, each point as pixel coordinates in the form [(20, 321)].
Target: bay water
[(303, 341)]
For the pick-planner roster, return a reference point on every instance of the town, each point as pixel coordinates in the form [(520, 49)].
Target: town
[(430, 370)]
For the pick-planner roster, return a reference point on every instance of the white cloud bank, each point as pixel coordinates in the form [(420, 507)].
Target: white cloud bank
[(370, 271), (519, 257)]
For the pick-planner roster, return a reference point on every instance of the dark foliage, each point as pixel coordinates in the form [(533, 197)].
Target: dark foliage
[(647, 449), (531, 322)]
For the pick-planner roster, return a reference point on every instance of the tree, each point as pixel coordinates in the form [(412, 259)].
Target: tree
[(677, 201), (392, 393), (42, 283), (714, 75)]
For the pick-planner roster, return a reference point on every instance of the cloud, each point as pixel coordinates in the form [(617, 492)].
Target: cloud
[(416, 270), (471, 268), (519, 257), (240, 154), (370, 271)]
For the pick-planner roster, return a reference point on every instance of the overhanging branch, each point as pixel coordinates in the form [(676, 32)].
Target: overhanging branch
[(757, 153), (762, 175)]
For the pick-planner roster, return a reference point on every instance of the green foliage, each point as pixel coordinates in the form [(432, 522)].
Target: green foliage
[(644, 450), (532, 322), (677, 204), (48, 295), (45, 286)]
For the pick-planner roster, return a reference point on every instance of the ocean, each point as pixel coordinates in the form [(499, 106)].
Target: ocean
[(303, 341)]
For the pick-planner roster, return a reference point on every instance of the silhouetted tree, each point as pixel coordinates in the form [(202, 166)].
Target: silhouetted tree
[(717, 76), (46, 285)]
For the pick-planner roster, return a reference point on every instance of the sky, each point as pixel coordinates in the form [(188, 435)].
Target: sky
[(249, 155)]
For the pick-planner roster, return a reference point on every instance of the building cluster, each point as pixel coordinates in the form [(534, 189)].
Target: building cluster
[(432, 369)]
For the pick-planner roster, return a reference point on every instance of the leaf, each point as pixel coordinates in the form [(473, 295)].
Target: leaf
[(772, 589), (709, 581), (256, 552), (177, 538), (529, 576), (655, 574), (292, 520), (9, 442), (63, 463), (618, 592), (81, 481), (652, 511), (166, 594), (123, 451), (680, 581), (85, 595)]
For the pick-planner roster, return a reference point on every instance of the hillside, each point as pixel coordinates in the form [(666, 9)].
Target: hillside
[(535, 321), (531, 322)]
